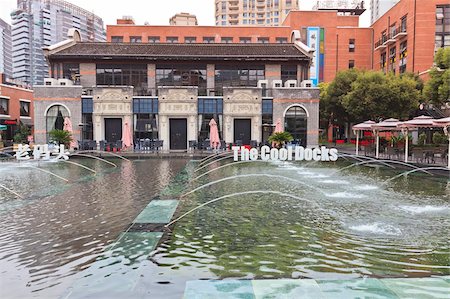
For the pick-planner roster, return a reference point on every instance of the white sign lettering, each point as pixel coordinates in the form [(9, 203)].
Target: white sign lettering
[(298, 153), (41, 152)]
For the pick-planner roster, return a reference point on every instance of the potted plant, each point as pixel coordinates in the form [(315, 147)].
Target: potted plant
[(280, 138), (61, 137), (21, 135)]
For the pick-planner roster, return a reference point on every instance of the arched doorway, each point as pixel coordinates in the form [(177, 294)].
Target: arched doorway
[(296, 123), (55, 118)]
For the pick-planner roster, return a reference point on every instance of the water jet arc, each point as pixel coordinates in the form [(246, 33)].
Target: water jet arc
[(80, 165), (94, 157), (49, 172), (226, 165), (204, 160), (414, 170), (11, 191), (232, 195), (104, 152), (246, 176)]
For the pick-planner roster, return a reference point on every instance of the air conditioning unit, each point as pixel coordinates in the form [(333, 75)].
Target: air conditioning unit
[(50, 81), (307, 83), (263, 84), (277, 83), (290, 84), (65, 82)]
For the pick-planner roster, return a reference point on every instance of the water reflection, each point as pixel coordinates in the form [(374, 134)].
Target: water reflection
[(62, 228)]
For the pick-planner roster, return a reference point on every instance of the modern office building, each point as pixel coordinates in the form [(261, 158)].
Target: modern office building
[(379, 8), (40, 23), (253, 12), (5, 49), (183, 19), (170, 92)]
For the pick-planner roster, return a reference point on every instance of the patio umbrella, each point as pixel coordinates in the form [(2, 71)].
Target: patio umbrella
[(365, 126), (389, 124), (278, 129), (417, 122), (214, 138), (445, 123), (126, 135), (68, 127)]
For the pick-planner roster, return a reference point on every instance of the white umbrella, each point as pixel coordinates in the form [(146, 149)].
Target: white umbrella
[(415, 123), (445, 123), (389, 124), (365, 126)]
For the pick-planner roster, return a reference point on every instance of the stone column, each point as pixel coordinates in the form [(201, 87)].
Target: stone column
[(151, 77), (88, 74), (273, 72), (210, 78)]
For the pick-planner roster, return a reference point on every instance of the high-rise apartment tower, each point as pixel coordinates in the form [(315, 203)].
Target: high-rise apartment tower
[(41, 23), (253, 12), (5, 49), (379, 8)]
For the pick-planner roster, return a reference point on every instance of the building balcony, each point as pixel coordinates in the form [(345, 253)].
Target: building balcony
[(380, 44), (400, 31)]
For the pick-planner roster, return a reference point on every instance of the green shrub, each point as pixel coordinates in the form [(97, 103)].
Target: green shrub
[(439, 138), (422, 139)]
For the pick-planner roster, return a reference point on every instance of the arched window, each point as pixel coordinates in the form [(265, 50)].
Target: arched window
[(296, 123), (55, 117)]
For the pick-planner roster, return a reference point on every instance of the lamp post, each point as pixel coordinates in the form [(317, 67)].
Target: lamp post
[(405, 132), (447, 133)]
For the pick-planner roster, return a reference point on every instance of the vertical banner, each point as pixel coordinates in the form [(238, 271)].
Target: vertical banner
[(313, 41), (322, 54)]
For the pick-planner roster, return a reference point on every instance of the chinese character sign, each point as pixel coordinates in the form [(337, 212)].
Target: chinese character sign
[(42, 152), (314, 43)]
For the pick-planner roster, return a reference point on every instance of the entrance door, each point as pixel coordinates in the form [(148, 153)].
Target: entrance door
[(113, 129), (178, 133), (243, 130)]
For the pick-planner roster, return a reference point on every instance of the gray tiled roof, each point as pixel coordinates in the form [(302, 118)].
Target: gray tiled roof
[(182, 51)]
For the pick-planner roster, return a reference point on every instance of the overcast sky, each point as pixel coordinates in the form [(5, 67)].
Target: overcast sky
[(155, 12)]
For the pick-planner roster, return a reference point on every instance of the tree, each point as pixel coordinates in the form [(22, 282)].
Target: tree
[(21, 135), (374, 95), (331, 96), (437, 89)]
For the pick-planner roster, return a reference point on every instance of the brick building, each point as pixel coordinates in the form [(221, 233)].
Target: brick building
[(16, 106), (407, 36), (341, 43), (170, 92), (338, 32)]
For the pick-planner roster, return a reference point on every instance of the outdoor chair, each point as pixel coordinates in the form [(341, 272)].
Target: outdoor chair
[(253, 143), (206, 144), (223, 145), (429, 157), (102, 144), (238, 142), (147, 144), (158, 145), (193, 144)]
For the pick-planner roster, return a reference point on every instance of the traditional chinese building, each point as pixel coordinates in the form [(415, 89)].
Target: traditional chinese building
[(170, 92)]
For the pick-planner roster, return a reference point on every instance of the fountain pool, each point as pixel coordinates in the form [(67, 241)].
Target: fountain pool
[(97, 237)]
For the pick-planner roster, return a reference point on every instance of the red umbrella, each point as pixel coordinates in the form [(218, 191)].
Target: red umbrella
[(278, 129), (126, 135), (214, 138), (68, 127)]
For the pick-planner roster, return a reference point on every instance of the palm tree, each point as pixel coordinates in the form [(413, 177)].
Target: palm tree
[(61, 137), (280, 138)]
